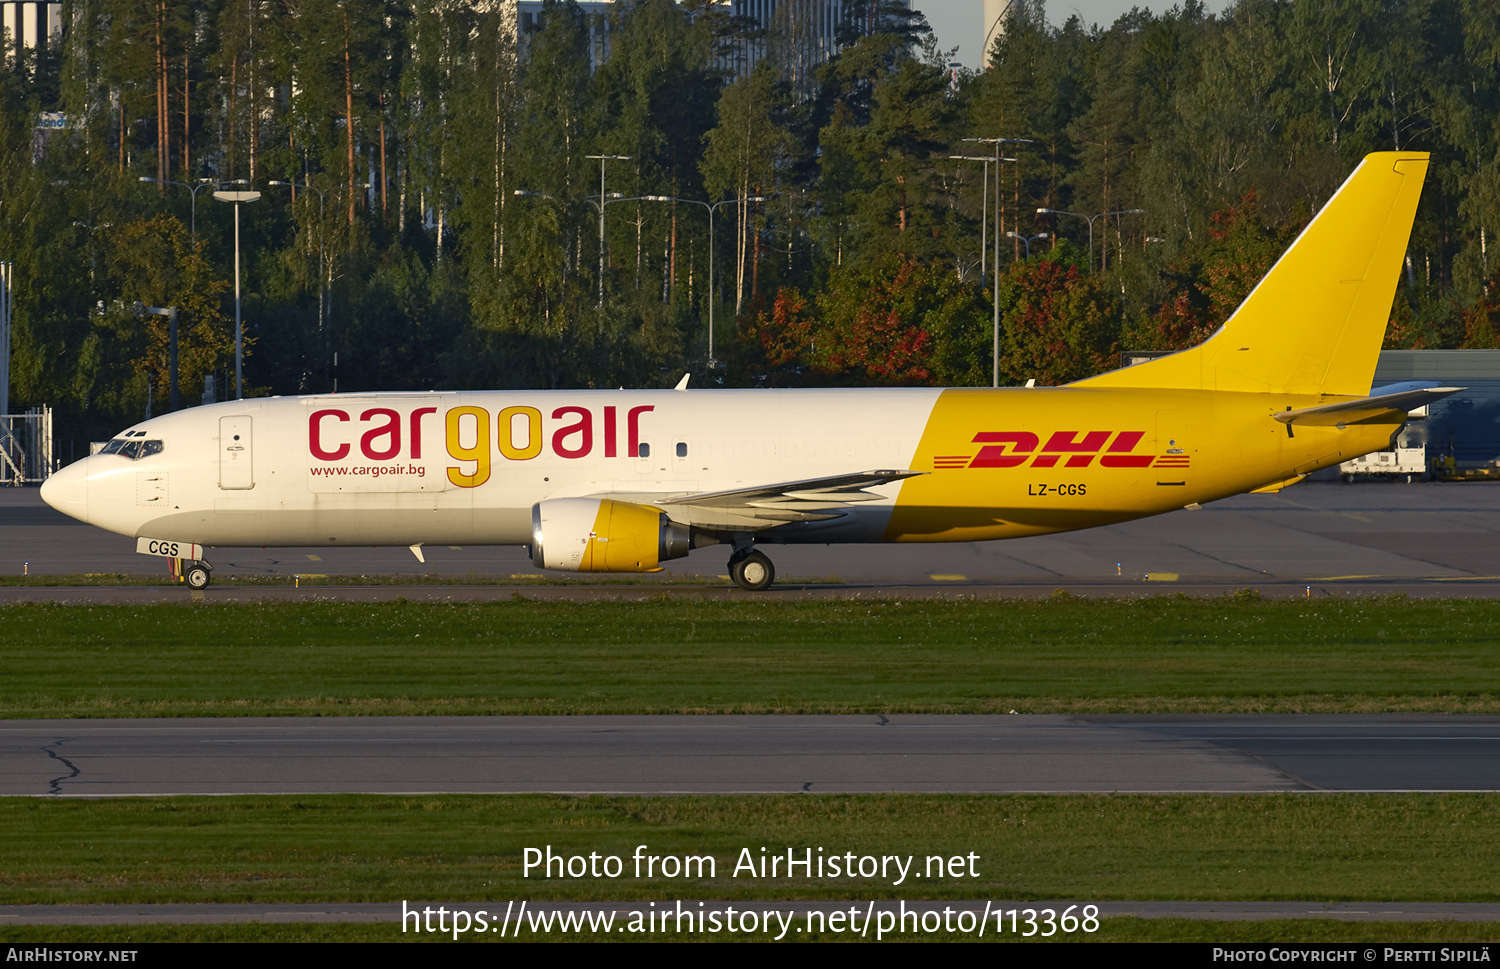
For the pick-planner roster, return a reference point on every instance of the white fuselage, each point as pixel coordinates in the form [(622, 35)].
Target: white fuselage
[(404, 469)]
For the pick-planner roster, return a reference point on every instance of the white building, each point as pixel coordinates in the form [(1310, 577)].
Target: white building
[(29, 26)]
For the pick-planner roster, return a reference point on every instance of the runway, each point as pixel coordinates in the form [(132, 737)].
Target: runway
[(1243, 754), (1429, 539)]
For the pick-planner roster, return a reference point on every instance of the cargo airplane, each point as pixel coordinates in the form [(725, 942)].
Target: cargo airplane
[(621, 481)]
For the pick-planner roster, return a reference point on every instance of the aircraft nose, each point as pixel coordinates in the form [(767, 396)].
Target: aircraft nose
[(68, 491)]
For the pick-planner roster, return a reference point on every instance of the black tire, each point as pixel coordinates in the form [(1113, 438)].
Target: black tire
[(752, 572), (197, 577)]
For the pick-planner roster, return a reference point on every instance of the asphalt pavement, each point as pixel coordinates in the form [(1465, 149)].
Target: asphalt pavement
[(1243, 754), (1381, 536)]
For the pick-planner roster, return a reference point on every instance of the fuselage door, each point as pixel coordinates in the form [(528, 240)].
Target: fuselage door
[(1170, 436), (1174, 460), (236, 472)]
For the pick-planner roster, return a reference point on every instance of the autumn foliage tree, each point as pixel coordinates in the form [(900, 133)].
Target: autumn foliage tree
[(896, 322), (1207, 283), (1058, 325), (155, 262), (1482, 320)]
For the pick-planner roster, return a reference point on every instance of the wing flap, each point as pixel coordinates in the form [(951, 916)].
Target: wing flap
[(808, 499), (842, 487)]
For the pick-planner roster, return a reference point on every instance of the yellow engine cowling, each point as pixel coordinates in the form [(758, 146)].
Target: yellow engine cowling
[(602, 535)]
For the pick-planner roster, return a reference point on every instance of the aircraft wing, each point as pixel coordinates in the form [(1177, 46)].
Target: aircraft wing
[(763, 506), (1354, 411)]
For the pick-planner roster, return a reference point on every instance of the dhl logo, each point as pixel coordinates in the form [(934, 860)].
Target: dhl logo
[(1075, 449)]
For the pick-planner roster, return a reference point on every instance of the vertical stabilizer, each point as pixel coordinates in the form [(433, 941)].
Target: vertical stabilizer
[(1315, 323)]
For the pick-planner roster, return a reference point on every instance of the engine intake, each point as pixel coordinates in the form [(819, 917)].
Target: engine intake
[(603, 535)]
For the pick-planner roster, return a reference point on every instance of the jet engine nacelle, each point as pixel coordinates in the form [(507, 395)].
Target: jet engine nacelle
[(601, 535)]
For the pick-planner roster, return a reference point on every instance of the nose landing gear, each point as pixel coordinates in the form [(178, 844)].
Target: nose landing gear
[(198, 575), (751, 570)]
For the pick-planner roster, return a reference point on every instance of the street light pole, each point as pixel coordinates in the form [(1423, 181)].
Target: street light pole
[(602, 159), (1026, 239), (237, 199), (192, 189), (713, 363), (1090, 221), (984, 215), (997, 142), (663, 198)]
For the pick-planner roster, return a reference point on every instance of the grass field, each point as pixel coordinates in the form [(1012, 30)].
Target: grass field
[(680, 655), (673, 654), (470, 848)]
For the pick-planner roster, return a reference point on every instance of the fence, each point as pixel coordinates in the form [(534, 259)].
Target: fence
[(26, 447)]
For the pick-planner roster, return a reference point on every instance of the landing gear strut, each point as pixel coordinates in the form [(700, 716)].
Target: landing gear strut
[(751, 570)]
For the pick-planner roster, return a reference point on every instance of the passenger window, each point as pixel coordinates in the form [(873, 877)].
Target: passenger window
[(645, 450), (149, 448), (682, 449)]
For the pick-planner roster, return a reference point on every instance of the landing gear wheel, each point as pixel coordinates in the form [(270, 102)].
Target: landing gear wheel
[(197, 577), (752, 572)]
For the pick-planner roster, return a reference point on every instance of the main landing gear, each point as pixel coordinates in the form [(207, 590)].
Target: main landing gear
[(751, 570)]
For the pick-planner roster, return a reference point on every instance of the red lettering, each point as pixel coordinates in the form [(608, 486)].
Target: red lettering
[(1067, 441), (633, 428), (994, 456), (416, 429), (315, 435), (1118, 457), (391, 429), (609, 432), (584, 429)]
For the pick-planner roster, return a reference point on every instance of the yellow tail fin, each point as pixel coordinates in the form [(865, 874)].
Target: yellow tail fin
[(1315, 323)]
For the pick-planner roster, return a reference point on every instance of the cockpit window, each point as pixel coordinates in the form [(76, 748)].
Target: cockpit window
[(133, 449)]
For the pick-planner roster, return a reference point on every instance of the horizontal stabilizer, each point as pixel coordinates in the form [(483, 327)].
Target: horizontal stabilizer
[(1353, 411)]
